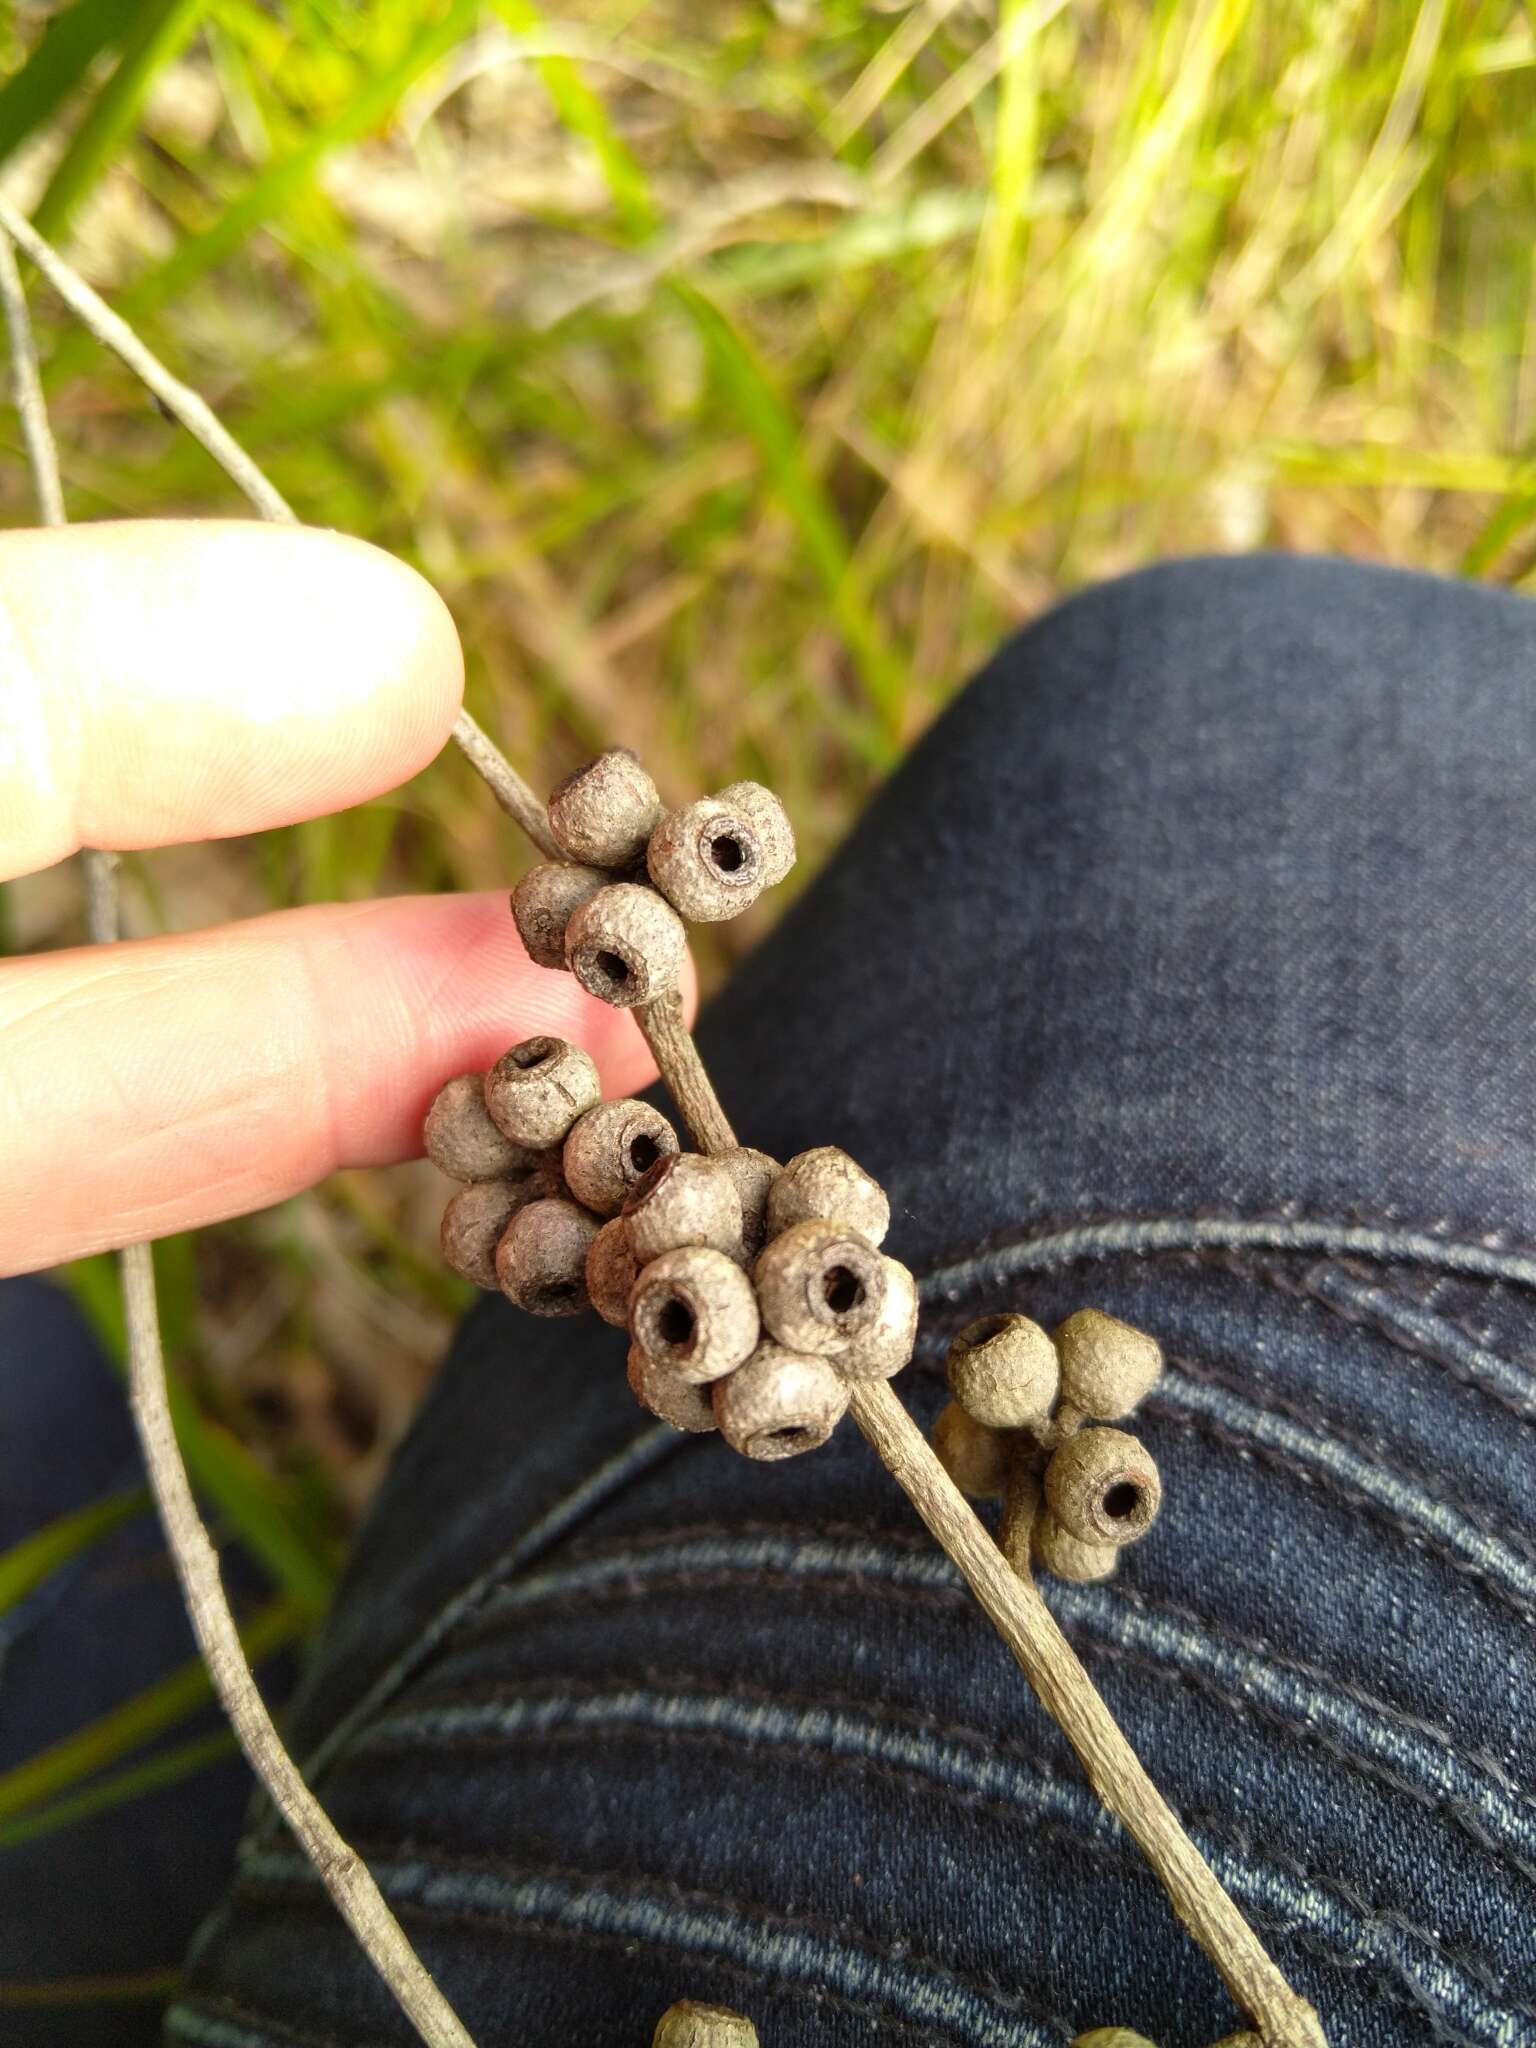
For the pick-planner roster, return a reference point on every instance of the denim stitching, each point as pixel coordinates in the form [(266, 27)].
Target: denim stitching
[(1317, 1480), (883, 1746), (1368, 1447), (1094, 1232), (1140, 1625), (465, 1890), (470, 1891), (1367, 1305)]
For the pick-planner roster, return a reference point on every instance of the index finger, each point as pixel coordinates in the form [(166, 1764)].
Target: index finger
[(164, 681)]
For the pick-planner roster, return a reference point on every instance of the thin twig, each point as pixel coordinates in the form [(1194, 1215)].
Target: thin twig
[(27, 388), (665, 1030), (343, 1873), (505, 784), (1013, 1605)]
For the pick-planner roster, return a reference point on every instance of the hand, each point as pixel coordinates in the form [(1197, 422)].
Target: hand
[(163, 682)]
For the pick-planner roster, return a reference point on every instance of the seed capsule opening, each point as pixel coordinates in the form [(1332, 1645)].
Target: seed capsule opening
[(727, 853), (676, 1324), (1122, 1501)]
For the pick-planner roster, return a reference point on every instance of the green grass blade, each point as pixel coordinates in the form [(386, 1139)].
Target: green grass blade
[(132, 1987), (120, 1788), (64, 1764), (162, 31), (286, 179), (26, 1564), (65, 51)]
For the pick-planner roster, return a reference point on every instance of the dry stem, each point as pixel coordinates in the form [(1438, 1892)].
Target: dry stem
[(342, 1872)]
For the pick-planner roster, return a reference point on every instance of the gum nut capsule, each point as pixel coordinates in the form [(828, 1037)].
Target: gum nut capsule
[(771, 821), (1103, 1487), (883, 1350), (975, 1457), (461, 1140), (694, 1310), (754, 1173), (625, 945), (1112, 2037), (826, 1184), (689, 2024), (708, 860), (544, 902), (604, 813), (779, 1403), (1064, 1557), (685, 1198), (541, 1261), (668, 1395), (1004, 1371), (475, 1219), (1106, 1366), (536, 1091), (821, 1287), (612, 1271), (610, 1148)]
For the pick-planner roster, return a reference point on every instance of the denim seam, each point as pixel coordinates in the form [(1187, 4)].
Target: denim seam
[(862, 1583), (1326, 1484), (1306, 1288), (287, 1876), (1445, 1243), (828, 1764), (297, 1879), (1370, 1445)]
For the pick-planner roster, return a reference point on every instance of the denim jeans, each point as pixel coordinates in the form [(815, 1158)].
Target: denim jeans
[(1184, 970)]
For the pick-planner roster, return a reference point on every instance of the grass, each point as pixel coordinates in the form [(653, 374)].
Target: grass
[(741, 375)]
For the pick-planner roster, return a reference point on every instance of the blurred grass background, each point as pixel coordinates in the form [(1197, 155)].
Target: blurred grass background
[(741, 374)]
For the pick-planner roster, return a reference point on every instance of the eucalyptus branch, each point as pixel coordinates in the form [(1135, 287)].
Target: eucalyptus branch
[(342, 1872), (1010, 1600)]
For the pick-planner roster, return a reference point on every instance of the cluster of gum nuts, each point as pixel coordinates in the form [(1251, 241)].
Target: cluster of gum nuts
[(752, 1292), (1018, 1428), (612, 911)]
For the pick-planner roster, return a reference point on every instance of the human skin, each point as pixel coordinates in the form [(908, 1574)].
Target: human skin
[(163, 682)]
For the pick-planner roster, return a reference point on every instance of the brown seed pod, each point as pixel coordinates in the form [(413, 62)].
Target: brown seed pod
[(779, 1403), (1112, 2037), (771, 822), (708, 860), (883, 1350), (1064, 1557), (541, 1261), (825, 1185), (461, 1140), (536, 1091), (1106, 1366), (612, 1270), (685, 1198), (610, 1148), (754, 1174), (976, 1458), (474, 1220), (690, 2025), (625, 945), (544, 902), (1103, 1487), (821, 1287), (1004, 1371), (668, 1395), (604, 813), (694, 1310)]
